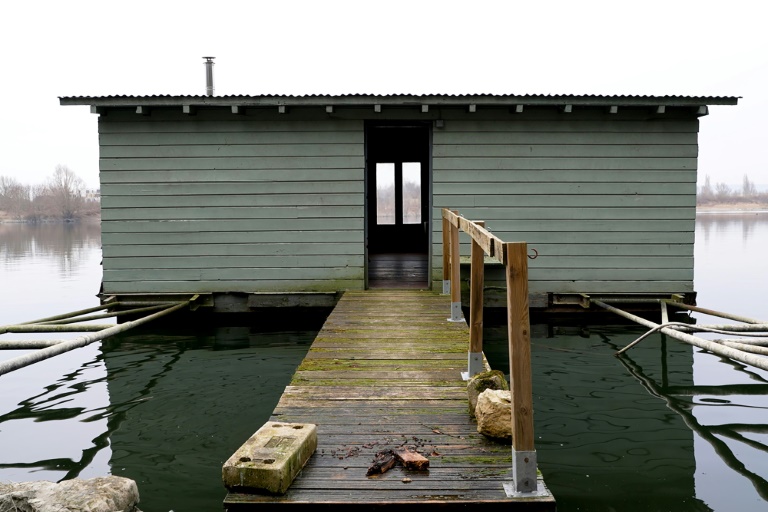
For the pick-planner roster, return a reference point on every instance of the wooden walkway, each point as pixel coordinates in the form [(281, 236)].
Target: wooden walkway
[(385, 371)]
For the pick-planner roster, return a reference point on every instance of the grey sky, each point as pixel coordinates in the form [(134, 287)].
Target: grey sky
[(79, 48)]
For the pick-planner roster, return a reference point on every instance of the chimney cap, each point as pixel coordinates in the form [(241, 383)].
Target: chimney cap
[(209, 75)]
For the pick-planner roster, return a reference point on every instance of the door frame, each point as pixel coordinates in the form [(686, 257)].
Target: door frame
[(370, 196)]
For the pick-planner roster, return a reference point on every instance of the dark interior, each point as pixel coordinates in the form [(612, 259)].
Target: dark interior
[(398, 207)]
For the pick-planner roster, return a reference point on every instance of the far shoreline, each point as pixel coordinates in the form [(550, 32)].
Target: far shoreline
[(88, 219), (706, 209), (731, 208)]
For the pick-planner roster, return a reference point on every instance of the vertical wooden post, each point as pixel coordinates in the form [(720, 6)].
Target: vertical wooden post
[(476, 283), (446, 254), (456, 315), (518, 324)]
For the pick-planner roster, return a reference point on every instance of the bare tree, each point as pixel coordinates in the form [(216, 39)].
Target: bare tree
[(722, 192), (748, 189), (706, 194), (65, 189), (15, 198), (42, 205)]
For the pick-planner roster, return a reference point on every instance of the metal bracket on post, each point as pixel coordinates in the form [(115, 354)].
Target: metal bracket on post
[(474, 365), (446, 286), (525, 481), (664, 313), (456, 314)]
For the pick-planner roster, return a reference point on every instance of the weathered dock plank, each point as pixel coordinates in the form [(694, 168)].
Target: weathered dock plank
[(385, 372)]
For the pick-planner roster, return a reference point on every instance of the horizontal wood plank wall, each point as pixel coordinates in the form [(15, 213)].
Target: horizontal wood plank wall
[(221, 202), (275, 202), (608, 200)]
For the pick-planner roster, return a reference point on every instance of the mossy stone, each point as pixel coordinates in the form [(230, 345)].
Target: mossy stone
[(493, 379)]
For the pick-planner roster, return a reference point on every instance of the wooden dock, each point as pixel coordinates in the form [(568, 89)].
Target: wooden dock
[(385, 371)]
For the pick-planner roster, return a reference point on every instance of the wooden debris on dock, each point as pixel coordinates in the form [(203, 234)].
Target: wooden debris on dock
[(411, 459), (385, 460)]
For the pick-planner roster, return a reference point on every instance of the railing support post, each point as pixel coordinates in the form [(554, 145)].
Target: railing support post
[(518, 324), (476, 283), (456, 315), (446, 255)]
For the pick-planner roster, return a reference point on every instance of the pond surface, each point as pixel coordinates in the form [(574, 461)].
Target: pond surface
[(666, 428)]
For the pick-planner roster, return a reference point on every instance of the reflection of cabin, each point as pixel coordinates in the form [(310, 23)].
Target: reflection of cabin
[(259, 194)]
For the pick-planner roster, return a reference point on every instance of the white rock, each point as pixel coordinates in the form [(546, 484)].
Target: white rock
[(101, 494), (494, 414)]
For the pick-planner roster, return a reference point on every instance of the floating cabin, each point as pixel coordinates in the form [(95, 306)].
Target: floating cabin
[(272, 200)]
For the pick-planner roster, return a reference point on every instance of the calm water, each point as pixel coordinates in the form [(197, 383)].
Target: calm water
[(666, 428), (163, 407)]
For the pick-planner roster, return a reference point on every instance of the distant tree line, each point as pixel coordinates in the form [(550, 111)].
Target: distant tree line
[(411, 207), (722, 193), (63, 196)]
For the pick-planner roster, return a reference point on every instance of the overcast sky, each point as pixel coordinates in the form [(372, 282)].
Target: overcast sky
[(78, 48)]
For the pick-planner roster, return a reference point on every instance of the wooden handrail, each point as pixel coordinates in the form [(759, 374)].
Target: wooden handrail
[(492, 245), (514, 257)]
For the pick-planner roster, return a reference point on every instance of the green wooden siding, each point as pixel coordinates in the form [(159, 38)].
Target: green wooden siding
[(217, 202), (222, 203), (608, 202)]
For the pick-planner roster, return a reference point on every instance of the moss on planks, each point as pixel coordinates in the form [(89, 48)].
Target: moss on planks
[(311, 382), (410, 394), (366, 364)]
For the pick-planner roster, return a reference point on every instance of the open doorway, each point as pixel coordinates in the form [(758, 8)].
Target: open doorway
[(398, 207)]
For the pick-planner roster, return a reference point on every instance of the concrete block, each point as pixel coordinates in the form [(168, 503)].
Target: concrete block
[(271, 458)]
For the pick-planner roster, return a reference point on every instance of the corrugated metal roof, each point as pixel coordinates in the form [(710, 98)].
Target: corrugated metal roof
[(396, 99)]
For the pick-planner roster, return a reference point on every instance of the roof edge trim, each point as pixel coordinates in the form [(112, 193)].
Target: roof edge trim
[(396, 100)]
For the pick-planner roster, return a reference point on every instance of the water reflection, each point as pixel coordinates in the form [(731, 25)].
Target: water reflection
[(65, 243), (48, 269), (708, 224), (614, 448), (627, 434), (165, 407), (50, 433), (730, 270), (666, 428), (682, 400), (193, 399)]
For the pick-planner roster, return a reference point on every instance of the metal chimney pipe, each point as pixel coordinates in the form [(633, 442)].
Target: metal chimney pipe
[(209, 75)]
